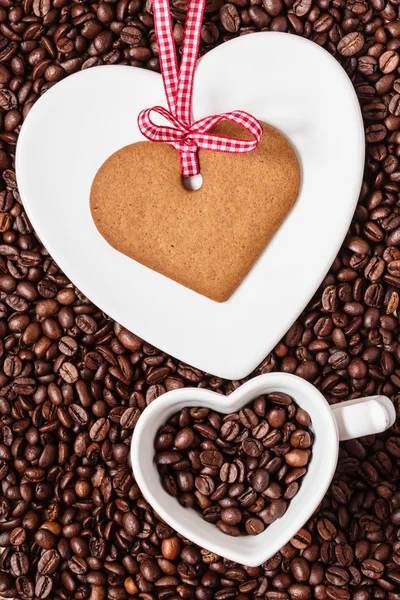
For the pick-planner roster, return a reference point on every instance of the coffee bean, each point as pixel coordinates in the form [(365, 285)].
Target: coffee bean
[(326, 529), (389, 61), (351, 44), (229, 16), (254, 526), (260, 480), (301, 438), (372, 568), (344, 554), (24, 587), (205, 484), (300, 591), (43, 587), (68, 346), (297, 457), (230, 430), (252, 447), (337, 593), (17, 536), (274, 511), (69, 372), (211, 458), (300, 569), (261, 430), (45, 539), (99, 429), (48, 562), (19, 564), (301, 7), (206, 431), (184, 439), (170, 548), (231, 516), (337, 576), (393, 446), (301, 540), (228, 473), (228, 529), (248, 418)]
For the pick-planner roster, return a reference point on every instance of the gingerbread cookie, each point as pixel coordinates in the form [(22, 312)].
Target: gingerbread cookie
[(206, 240)]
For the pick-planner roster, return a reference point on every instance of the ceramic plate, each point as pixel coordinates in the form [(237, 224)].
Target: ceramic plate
[(282, 79)]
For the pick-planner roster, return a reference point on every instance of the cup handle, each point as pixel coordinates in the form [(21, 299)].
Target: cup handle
[(363, 416)]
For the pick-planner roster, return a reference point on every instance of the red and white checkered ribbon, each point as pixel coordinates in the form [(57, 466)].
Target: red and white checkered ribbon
[(184, 135)]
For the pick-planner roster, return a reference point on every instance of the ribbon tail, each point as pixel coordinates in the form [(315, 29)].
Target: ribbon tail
[(166, 51), (189, 161), (190, 51)]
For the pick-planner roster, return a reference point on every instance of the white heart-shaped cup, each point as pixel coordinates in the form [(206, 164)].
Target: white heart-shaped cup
[(330, 424)]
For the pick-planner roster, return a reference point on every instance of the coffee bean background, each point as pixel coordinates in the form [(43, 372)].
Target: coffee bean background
[(73, 383)]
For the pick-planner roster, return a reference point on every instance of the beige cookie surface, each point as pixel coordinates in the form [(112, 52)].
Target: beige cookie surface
[(206, 240)]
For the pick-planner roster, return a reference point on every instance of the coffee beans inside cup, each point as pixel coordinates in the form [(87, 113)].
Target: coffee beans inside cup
[(240, 470)]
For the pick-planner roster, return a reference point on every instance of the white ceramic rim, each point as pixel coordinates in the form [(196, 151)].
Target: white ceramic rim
[(249, 550)]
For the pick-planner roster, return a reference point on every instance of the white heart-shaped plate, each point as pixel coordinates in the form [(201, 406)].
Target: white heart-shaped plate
[(282, 79)]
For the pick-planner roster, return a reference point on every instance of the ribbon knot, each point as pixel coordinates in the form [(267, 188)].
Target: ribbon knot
[(185, 136), (187, 141)]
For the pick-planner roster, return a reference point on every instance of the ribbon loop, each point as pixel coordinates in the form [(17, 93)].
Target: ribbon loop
[(185, 136)]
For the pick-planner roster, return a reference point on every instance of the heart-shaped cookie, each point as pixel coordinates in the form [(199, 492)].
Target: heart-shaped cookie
[(288, 82), (206, 240)]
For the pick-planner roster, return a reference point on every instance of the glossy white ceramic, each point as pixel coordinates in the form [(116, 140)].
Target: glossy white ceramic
[(282, 79), (330, 424)]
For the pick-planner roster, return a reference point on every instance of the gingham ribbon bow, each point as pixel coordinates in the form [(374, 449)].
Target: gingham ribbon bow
[(184, 135)]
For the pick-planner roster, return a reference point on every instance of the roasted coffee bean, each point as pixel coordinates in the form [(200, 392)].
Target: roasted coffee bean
[(252, 447), (337, 576), (248, 418), (260, 480), (230, 430), (205, 484), (275, 510), (211, 458), (48, 562), (231, 516), (300, 439), (254, 526), (297, 457), (19, 564), (300, 569), (230, 18), (184, 439), (326, 529), (44, 586), (351, 44), (17, 536), (388, 61), (99, 429), (301, 540), (228, 473), (371, 568), (129, 418)]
